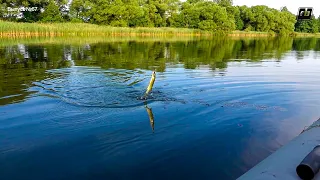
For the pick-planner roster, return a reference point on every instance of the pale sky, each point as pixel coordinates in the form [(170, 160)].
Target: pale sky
[(292, 5)]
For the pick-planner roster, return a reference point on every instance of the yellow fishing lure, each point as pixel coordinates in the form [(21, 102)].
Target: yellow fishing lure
[(153, 78)]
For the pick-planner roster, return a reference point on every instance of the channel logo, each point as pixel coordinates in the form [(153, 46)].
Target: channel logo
[(304, 13)]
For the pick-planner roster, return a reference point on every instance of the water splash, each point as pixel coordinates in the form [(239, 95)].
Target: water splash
[(96, 87)]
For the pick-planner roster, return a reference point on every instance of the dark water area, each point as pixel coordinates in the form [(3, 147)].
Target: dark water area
[(218, 107)]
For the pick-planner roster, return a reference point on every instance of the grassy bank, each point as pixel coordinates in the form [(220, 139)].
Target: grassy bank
[(13, 29), (9, 41), (307, 34), (264, 34), (83, 29), (250, 34)]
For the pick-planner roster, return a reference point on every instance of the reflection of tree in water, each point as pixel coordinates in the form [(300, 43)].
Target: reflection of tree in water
[(304, 44), (128, 55), (23, 64), (215, 53)]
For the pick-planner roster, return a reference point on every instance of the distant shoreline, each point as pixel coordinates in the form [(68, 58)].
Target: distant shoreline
[(14, 29)]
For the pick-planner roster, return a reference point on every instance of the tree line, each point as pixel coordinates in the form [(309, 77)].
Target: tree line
[(213, 15)]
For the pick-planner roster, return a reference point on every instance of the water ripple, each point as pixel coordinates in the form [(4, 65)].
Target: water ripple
[(95, 87)]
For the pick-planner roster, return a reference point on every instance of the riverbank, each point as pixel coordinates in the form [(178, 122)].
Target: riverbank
[(10, 41), (10, 29), (13, 29)]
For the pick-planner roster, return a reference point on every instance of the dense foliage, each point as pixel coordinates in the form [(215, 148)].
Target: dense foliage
[(216, 15)]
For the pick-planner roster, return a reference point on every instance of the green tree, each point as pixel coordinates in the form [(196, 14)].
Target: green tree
[(51, 13), (284, 9), (234, 14), (157, 12), (318, 21), (27, 16), (109, 13), (214, 18), (80, 10), (263, 18), (307, 26), (188, 16), (247, 17), (224, 3), (206, 16), (136, 14)]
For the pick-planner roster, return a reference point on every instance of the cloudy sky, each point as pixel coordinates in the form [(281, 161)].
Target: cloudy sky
[(292, 5)]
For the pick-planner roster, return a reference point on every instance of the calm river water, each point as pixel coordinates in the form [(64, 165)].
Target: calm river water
[(71, 109)]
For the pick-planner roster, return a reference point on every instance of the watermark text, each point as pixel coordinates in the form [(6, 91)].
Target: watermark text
[(22, 9)]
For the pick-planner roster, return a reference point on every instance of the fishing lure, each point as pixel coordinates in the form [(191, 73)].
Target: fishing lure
[(149, 88)]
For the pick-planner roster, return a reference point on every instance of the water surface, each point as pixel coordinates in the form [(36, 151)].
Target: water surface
[(219, 106)]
